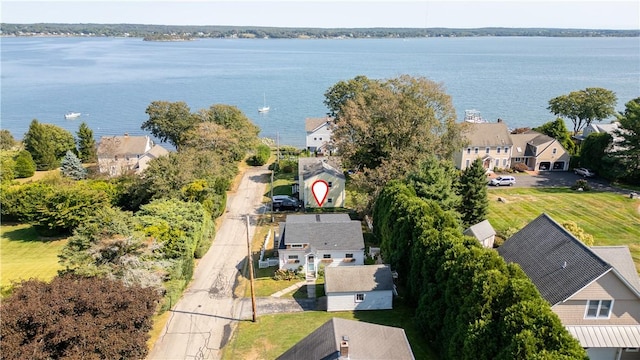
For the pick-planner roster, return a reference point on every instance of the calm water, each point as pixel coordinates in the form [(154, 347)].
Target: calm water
[(111, 81)]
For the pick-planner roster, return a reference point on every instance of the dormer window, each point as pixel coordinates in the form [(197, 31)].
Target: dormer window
[(296, 246), (598, 309)]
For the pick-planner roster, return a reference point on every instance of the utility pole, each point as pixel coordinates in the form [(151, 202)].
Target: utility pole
[(250, 259), (272, 171)]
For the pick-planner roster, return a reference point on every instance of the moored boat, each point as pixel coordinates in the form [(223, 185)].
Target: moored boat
[(71, 115)]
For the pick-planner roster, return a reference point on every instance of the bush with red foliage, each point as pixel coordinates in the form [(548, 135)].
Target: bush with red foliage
[(77, 317)]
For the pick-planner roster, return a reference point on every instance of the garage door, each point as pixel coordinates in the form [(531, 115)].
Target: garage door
[(602, 353), (558, 165)]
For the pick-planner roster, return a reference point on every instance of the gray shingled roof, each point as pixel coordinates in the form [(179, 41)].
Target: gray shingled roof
[(308, 167), (620, 258), (366, 341), (481, 230), (555, 261), (488, 134), (323, 232), (123, 145), (311, 124), (358, 278)]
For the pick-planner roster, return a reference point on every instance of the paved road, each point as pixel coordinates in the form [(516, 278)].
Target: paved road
[(560, 179), (201, 323)]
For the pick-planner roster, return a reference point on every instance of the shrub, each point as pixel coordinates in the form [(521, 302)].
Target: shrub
[(581, 184), (25, 166), (521, 167), (263, 152)]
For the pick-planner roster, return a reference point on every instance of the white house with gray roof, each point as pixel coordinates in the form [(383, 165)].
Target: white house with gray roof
[(311, 241), (484, 232), (318, 134), (594, 291), (350, 339), (365, 287)]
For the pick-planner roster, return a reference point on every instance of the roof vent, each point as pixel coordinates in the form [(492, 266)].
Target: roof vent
[(564, 265)]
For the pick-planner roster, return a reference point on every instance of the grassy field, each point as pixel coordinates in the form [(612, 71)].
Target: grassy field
[(612, 219), (271, 335), (25, 255)]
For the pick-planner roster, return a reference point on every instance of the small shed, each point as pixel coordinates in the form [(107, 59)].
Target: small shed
[(484, 232), (361, 287)]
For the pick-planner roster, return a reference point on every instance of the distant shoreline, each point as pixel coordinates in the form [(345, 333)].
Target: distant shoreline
[(254, 32)]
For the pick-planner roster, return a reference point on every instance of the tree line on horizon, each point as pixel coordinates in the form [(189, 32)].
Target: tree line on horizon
[(216, 31)]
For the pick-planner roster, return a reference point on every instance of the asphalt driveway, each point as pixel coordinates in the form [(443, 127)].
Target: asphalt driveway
[(558, 179)]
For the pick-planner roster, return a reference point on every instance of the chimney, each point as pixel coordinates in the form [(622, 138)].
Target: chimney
[(499, 120), (344, 347)]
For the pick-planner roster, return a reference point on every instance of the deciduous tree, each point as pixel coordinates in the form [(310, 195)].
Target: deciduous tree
[(584, 106), (557, 129), (76, 317), (169, 121), (7, 142)]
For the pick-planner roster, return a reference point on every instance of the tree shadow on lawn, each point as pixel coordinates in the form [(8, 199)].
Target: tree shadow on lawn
[(29, 234)]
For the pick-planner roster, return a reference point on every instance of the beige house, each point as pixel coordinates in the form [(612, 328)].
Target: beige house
[(594, 291), (319, 134), (539, 152), (118, 155), (489, 141), (324, 169)]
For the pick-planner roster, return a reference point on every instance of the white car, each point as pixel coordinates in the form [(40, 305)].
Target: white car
[(584, 172), (503, 180)]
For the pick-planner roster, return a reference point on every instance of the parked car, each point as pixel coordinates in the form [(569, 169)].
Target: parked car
[(584, 172), (503, 180), (286, 203)]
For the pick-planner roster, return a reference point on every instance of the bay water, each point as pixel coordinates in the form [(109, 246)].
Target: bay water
[(111, 81)]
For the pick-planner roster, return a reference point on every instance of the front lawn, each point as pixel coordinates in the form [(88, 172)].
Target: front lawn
[(25, 255), (612, 219)]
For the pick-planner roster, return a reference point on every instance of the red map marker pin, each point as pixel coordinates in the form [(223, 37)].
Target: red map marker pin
[(320, 190)]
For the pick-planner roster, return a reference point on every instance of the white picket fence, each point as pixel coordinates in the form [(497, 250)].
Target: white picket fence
[(268, 262)]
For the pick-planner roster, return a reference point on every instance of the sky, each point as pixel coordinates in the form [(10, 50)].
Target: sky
[(589, 14)]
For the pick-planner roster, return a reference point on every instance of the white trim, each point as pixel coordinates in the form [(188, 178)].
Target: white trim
[(355, 296), (587, 285), (597, 316)]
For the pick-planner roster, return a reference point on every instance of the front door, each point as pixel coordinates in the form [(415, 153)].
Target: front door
[(311, 264)]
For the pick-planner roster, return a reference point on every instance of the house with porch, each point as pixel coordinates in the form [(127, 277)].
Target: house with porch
[(327, 169), (539, 152), (319, 134), (363, 287), (595, 291), (118, 155), (350, 339), (489, 141), (314, 241)]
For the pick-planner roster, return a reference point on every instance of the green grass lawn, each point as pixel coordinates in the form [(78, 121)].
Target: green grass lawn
[(25, 255), (271, 335), (612, 219)]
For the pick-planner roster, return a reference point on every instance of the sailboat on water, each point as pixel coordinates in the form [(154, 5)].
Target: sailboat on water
[(264, 108)]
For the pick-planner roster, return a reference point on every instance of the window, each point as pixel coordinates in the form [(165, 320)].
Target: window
[(475, 150), (504, 162), (359, 297), (487, 149), (329, 200), (598, 309), (320, 138), (296, 246), (506, 149), (348, 256), (467, 164), (330, 184), (468, 150), (498, 150), (326, 256), (497, 162), (554, 151), (293, 257)]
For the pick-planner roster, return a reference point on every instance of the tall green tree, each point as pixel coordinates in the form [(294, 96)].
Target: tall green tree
[(384, 128), (473, 190), (169, 121), (47, 144), (436, 180), (87, 149), (628, 153), (557, 129), (24, 165), (7, 141), (71, 167), (584, 106), (594, 153)]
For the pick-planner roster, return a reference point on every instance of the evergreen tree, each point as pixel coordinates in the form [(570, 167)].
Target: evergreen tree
[(25, 166), (87, 150), (47, 144), (629, 154), (72, 167), (473, 190)]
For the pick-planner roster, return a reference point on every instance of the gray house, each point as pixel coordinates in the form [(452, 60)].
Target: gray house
[(350, 339), (594, 291), (365, 287)]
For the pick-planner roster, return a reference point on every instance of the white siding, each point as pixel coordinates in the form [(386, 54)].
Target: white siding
[(373, 300), (319, 137)]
